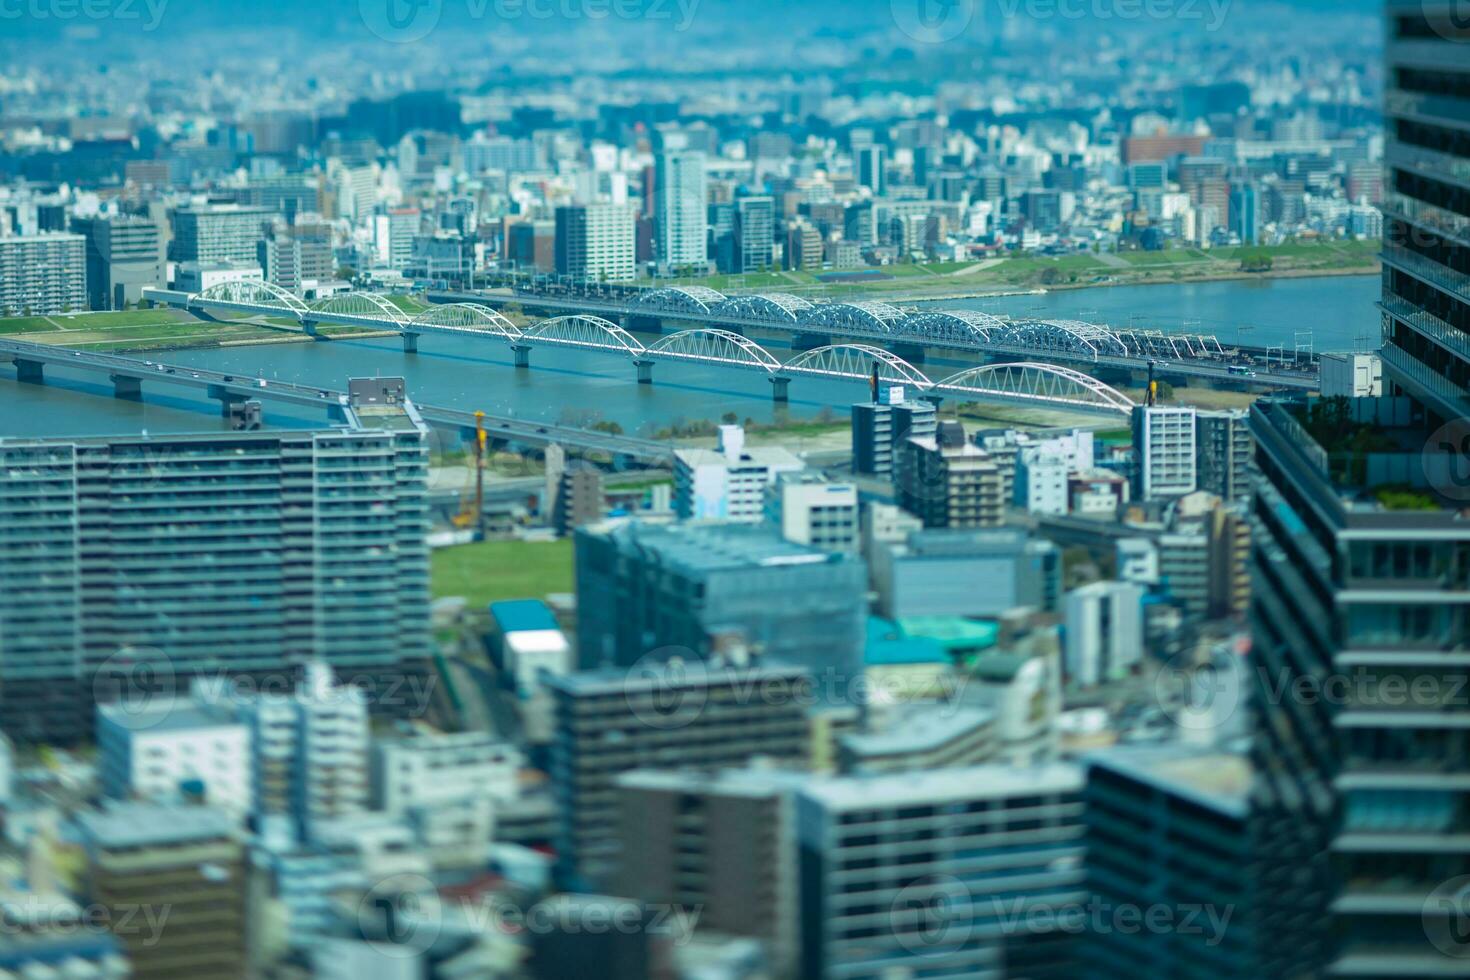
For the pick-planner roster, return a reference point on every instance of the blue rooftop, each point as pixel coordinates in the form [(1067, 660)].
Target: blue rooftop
[(887, 646), (518, 615)]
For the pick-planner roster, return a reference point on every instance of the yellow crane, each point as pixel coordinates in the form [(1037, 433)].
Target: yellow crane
[(471, 507)]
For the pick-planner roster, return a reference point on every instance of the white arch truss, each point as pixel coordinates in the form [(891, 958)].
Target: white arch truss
[(865, 316), (857, 361), (584, 330), (468, 317), (360, 305), (780, 307), (1069, 336), (711, 344), (252, 292), (955, 325), (683, 299), (1038, 382)]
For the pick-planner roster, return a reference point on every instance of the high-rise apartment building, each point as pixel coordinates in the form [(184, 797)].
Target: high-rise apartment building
[(1224, 452), (45, 273), (679, 210), (1362, 562), (1164, 458), (755, 232), (695, 715), (947, 481), (124, 254), (218, 233), (595, 241), (236, 552), (881, 427), (943, 873)]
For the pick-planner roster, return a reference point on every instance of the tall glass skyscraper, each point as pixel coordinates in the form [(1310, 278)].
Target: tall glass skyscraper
[(1361, 594), (679, 210)]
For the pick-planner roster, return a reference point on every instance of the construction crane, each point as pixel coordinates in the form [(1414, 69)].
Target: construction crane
[(472, 507)]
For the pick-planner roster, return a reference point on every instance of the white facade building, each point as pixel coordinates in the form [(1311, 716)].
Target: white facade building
[(679, 209), (729, 482), (156, 753), (1104, 633), (808, 510), (1164, 452), (195, 277), (1041, 482)]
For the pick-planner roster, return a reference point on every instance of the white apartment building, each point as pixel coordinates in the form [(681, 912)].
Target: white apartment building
[(41, 274), (1165, 462), (679, 209), (1104, 632), (596, 241), (165, 750), (728, 482), (433, 768), (1041, 482), (808, 510)]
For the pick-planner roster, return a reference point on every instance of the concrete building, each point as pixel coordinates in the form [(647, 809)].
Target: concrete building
[(722, 842), (1104, 634), (195, 277), (1164, 452), (334, 567), (974, 573), (580, 497), (1041, 483), (1224, 453), (531, 246), (906, 872), (189, 860), (755, 233), (1137, 560), (42, 274), (124, 254), (728, 482), (883, 425), (1351, 375), (809, 510), (174, 751), (301, 264), (646, 590), (927, 736), (679, 210), (595, 242), (218, 233), (947, 481), (394, 232), (1171, 827), (694, 715)]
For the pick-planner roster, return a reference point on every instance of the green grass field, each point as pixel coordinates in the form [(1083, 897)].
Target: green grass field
[(488, 571)]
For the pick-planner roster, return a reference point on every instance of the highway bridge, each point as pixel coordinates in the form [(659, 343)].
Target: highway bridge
[(1035, 384), (130, 374)]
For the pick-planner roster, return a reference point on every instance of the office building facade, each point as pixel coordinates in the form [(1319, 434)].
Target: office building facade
[(679, 210), (881, 427), (1164, 455), (218, 233), (947, 481), (595, 242), (124, 255)]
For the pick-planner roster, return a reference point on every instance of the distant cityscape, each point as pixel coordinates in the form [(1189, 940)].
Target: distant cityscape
[(654, 491)]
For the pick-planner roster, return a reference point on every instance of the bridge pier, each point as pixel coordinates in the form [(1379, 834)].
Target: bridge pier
[(309, 328), (30, 372), (780, 388), (935, 400), (410, 342), (522, 354), (128, 387), (645, 371), (226, 397)]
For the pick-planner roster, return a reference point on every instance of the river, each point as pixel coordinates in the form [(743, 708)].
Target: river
[(581, 386)]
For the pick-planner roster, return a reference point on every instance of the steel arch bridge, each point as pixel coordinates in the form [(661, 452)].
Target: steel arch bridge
[(360, 306), (680, 299), (464, 318), (856, 361), (715, 346), (1043, 383), (866, 316), (585, 331), (778, 307), (957, 325), (254, 295)]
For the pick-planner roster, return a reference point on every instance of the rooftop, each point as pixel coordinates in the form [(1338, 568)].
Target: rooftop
[(128, 825), (919, 729), (713, 546), (1212, 778), (943, 785)]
